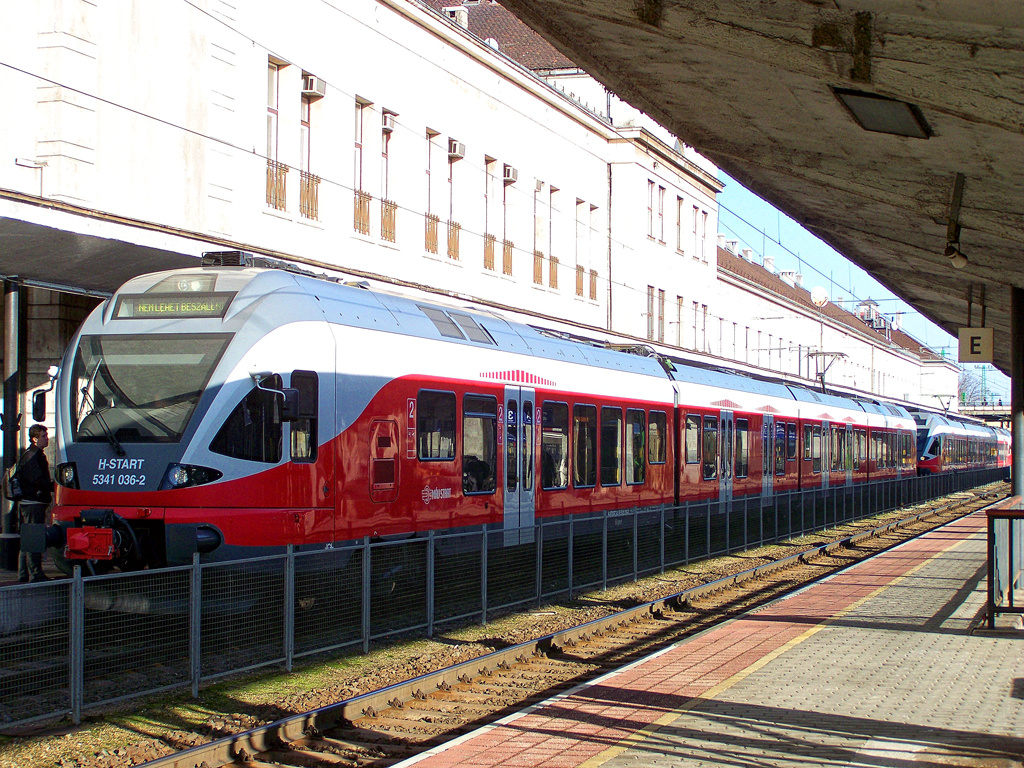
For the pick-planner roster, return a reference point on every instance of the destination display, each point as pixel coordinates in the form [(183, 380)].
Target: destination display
[(157, 305)]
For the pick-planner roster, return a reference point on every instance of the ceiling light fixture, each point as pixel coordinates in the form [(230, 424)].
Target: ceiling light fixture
[(884, 115), (952, 252)]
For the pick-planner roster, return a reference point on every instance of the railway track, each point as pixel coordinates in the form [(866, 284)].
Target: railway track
[(384, 727)]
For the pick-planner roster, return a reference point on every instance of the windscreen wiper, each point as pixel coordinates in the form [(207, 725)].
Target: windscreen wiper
[(98, 413)]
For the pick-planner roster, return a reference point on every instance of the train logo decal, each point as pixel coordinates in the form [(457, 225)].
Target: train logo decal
[(433, 494), (519, 377)]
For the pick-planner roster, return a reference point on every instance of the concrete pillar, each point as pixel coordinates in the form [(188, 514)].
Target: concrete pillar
[(9, 540), (1017, 388)]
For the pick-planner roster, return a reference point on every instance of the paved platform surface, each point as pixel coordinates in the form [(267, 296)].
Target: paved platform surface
[(874, 666)]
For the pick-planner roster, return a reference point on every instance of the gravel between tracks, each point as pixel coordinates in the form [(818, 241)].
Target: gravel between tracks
[(148, 728)]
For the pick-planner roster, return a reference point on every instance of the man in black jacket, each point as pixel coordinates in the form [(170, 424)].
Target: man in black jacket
[(37, 491)]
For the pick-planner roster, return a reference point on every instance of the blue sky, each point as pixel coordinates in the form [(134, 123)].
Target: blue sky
[(758, 225)]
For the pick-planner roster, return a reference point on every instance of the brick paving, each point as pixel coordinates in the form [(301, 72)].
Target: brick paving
[(872, 666)]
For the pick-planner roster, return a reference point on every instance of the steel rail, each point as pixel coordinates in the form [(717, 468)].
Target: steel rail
[(242, 747)]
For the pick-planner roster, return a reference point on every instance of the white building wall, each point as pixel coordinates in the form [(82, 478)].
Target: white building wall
[(157, 113)]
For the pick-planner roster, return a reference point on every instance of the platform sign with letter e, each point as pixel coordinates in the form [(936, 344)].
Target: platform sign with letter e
[(976, 345)]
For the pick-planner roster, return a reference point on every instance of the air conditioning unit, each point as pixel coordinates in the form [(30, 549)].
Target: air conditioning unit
[(456, 149), (511, 174), (313, 86), (388, 122)]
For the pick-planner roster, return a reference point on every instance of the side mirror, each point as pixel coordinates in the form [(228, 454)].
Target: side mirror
[(290, 406), (39, 405)]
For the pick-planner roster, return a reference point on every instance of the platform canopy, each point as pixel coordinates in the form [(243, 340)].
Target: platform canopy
[(892, 129)]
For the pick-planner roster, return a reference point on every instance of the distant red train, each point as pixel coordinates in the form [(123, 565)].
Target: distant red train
[(233, 409), (948, 443)]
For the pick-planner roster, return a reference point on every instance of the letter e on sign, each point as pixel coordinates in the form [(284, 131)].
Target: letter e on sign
[(976, 345)]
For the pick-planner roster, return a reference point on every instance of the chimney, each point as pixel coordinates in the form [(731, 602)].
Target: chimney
[(748, 254), (721, 240), (769, 263), (733, 247), (459, 14), (798, 278)]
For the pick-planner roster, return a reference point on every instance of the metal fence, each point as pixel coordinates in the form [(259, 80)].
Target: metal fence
[(72, 644), (1005, 558)]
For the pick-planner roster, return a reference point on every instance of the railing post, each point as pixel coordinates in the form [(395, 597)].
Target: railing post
[(636, 541), (991, 573), (365, 619), (661, 540), (76, 653), (195, 635), (604, 550), (430, 583), (572, 536), (539, 539), (483, 577), (289, 607)]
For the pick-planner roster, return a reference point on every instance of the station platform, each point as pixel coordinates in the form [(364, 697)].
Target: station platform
[(882, 664)]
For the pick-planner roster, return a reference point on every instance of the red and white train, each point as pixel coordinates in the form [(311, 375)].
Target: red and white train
[(232, 410), (948, 443)]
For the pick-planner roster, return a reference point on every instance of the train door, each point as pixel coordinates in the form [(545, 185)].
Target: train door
[(726, 429), (519, 464), (767, 456)]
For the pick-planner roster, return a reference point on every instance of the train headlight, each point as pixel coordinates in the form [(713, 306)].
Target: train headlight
[(187, 475), (66, 475)]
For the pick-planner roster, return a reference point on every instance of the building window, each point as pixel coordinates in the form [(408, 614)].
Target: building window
[(650, 313), (553, 200), (593, 285), (661, 315), (650, 209), (361, 218), (703, 236), (309, 184), (679, 224), (696, 239), (661, 215), (679, 321), (276, 172)]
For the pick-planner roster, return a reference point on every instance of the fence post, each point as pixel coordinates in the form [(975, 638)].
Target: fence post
[(430, 583), (636, 541), (76, 653), (572, 537), (604, 550), (195, 635), (365, 623), (289, 607), (661, 539), (539, 539), (483, 577)]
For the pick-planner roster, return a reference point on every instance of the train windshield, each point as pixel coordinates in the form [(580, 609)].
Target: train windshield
[(140, 389)]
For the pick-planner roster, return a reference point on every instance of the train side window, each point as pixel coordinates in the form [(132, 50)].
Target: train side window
[(816, 450), (584, 440), (611, 446), (780, 448), (656, 433), (252, 431), (807, 443), (742, 447), (479, 443), (791, 442), (554, 445), (636, 435), (303, 429), (710, 448), (693, 439), (435, 425)]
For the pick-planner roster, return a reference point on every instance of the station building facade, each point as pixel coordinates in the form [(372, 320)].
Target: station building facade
[(417, 145)]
